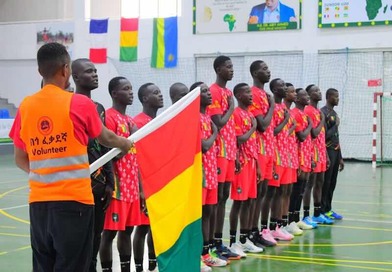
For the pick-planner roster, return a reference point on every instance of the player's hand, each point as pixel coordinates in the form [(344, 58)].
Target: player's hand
[(143, 206), (341, 165), (271, 100), (258, 174), (237, 166), (310, 121), (254, 122), (230, 101), (253, 20), (107, 197), (286, 114), (126, 146), (214, 128)]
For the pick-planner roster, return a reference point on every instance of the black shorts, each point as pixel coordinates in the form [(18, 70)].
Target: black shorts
[(61, 235)]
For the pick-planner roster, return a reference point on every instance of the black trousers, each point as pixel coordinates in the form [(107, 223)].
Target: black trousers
[(330, 179), (99, 219), (61, 236)]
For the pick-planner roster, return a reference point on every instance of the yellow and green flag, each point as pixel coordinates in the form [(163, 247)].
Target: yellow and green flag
[(169, 157), (164, 44), (129, 39)]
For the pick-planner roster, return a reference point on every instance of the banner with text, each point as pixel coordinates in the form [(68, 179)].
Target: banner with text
[(345, 13), (226, 16)]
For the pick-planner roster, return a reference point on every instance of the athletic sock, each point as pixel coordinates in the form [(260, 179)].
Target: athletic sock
[(106, 266), (211, 244), (291, 217), (205, 248), (306, 211), (296, 216), (317, 209), (139, 265), (125, 263), (285, 219), (218, 239), (243, 235), (152, 262), (233, 235), (280, 223), (264, 224), (273, 223)]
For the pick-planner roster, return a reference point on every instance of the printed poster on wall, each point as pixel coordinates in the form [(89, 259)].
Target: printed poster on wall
[(226, 16), (345, 13), (61, 32)]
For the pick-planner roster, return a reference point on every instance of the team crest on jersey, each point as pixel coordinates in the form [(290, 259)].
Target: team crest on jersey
[(45, 125), (115, 217), (123, 128)]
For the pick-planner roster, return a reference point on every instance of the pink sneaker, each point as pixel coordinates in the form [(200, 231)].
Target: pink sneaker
[(266, 234), (278, 234)]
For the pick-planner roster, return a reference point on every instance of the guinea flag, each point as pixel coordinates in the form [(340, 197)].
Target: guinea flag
[(169, 157)]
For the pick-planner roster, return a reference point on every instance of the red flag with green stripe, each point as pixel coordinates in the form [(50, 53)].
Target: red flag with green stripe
[(169, 157)]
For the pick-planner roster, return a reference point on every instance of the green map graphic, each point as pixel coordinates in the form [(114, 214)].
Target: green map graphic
[(372, 8), (230, 20)]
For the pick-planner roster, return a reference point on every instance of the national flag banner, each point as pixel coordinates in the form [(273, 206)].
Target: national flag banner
[(129, 39), (165, 43), (98, 38), (168, 151)]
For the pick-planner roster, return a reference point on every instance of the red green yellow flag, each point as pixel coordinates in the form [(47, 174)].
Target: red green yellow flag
[(169, 157), (129, 39)]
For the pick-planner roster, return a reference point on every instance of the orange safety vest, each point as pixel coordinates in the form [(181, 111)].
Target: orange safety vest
[(59, 167)]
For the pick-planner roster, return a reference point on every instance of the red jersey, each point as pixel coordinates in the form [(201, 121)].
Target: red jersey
[(243, 123), (319, 148), (84, 118), (141, 119), (260, 106), (210, 174), (292, 143), (227, 142), (125, 169), (305, 147), (281, 140)]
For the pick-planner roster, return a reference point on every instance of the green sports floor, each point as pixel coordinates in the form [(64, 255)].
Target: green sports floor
[(362, 241)]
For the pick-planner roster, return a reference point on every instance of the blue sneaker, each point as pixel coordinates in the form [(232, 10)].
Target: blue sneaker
[(333, 215), (322, 219), (308, 221), (226, 253)]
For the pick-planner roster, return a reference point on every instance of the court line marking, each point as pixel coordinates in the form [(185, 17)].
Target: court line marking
[(368, 221), (14, 207), (9, 215), (295, 260), (361, 228), (15, 250), (335, 260), (8, 227), (370, 215), (362, 203), (13, 234), (337, 245)]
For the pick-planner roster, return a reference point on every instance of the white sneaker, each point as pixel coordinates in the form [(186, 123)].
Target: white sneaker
[(213, 261), (237, 249), (302, 225), (284, 230), (293, 229), (250, 247), (204, 267)]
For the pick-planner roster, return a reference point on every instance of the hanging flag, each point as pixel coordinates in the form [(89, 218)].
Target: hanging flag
[(129, 39), (164, 44), (98, 35), (169, 158)]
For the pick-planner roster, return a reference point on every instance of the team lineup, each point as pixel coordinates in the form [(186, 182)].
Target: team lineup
[(270, 154)]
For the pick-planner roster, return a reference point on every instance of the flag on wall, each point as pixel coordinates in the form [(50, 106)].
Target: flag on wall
[(164, 44), (171, 172), (98, 38), (129, 39)]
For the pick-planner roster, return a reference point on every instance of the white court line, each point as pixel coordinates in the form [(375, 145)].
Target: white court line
[(14, 207), (368, 221), (12, 181)]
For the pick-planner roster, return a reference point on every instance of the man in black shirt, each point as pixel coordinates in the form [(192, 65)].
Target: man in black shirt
[(85, 77), (332, 122)]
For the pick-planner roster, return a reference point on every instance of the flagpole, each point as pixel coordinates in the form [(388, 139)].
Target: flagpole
[(161, 119)]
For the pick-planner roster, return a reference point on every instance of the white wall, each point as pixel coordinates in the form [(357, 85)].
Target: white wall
[(18, 47)]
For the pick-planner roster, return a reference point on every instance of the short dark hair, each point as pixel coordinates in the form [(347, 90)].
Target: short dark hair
[(255, 65), (142, 90), (174, 86), (288, 84), (298, 90), (77, 62), (113, 83), (330, 91), (309, 87), (273, 83), (238, 88), (219, 61), (195, 85), (50, 58)]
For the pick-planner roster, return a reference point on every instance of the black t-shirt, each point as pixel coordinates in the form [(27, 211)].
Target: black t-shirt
[(331, 128)]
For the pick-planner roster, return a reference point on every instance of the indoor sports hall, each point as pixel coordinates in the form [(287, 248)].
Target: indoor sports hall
[(345, 45)]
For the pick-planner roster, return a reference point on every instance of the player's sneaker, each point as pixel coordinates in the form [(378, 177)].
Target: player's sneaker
[(226, 253), (283, 229), (237, 249), (322, 219), (333, 215), (278, 234), (204, 267), (293, 229), (255, 238), (308, 220), (248, 246), (266, 235), (303, 226), (213, 261)]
